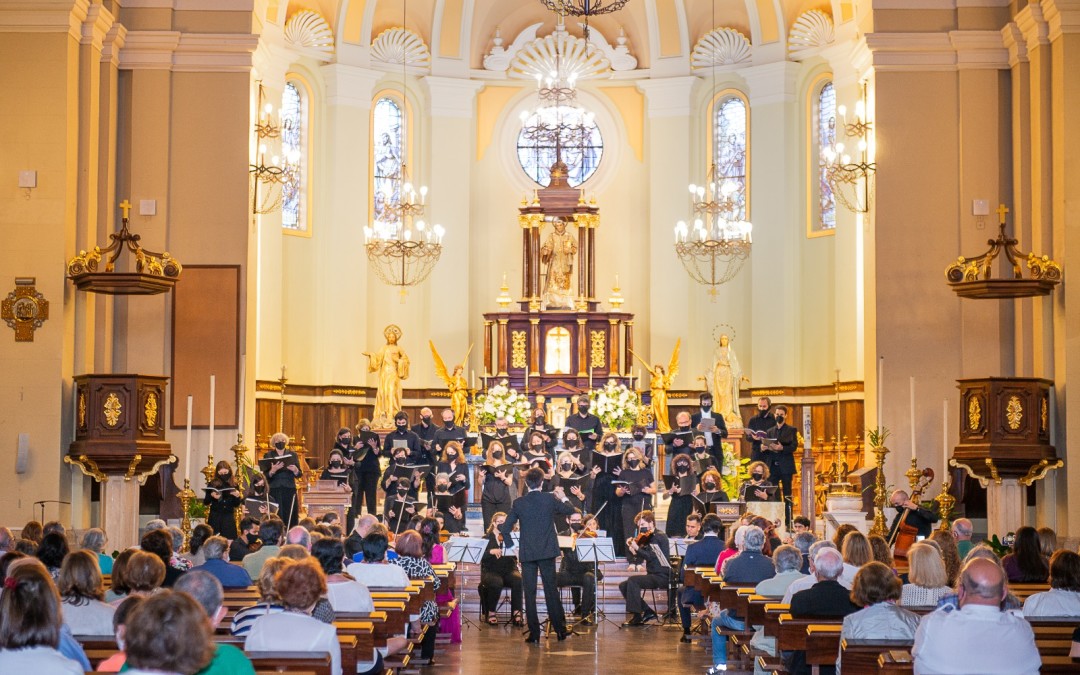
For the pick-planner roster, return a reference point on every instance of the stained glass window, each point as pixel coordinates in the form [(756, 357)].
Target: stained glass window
[(826, 139), (729, 132), (576, 134), (293, 134), (387, 156)]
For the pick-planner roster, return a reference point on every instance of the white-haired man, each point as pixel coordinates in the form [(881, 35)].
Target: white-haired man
[(826, 598), (749, 566), (962, 530)]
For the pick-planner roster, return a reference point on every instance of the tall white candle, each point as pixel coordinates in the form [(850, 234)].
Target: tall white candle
[(880, 389), (213, 397), (912, 393), (187, 455), (472, 374), (945, 434)]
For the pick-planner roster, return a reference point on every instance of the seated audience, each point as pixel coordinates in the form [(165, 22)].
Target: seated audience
[(214, 550), (208, 592), (168, 633), (1026, 564), (159, 543), (293, 552), (436, 555), (788, 561), (810, 579), (345, 593), (374, 570), (703, 553), (144, 574), (979, 637), (803, 541), (32, 531), (410, 548), (1047, 541), (856, 552), (926, 577), (269, 602), (30, 624), (750, 566), (199, 534), (1063, 598), (247, 541), (962, 530), (114, 663), (176, 538), (118, 588), (82, 591), (950, 555), (826, 598), (94, 540), (270, 531), (51, 552), (731, 548), (299, 536), (876, 590), (299, 585)]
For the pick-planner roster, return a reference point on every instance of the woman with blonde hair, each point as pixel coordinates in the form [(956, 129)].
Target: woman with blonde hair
[(926, 577), (636, 486), (950, 554), (497, 571), (753, 490), (578, 487)]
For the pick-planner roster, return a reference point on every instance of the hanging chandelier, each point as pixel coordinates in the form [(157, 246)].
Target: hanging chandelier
[(852, 179), (268, 179), (584, 9), (401, 247)]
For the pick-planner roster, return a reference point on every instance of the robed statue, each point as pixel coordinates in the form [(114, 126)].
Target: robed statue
[(727, 377), (455, 382), (392, 365), (558, 253), (659, 384)]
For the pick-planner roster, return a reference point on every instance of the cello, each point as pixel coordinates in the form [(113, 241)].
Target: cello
[(906, 535)]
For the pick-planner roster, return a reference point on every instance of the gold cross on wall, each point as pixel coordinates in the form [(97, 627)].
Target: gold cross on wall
[(125, 206), (1001, 211)]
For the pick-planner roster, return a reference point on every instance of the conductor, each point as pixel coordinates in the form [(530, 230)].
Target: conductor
[(538, 548)]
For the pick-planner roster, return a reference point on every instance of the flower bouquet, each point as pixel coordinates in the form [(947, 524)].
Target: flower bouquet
[(615, 405), (502, 401)]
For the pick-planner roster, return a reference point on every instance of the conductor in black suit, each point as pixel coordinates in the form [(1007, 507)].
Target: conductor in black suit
[(538, 547)]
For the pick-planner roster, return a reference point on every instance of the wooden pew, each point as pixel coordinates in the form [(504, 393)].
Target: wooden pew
[(292, 662), (860, 657), (822, 644), (899, 662)]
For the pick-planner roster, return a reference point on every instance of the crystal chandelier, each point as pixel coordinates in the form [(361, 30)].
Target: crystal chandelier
[(268, 179), (401, 247), (852, 178), (584, 9)]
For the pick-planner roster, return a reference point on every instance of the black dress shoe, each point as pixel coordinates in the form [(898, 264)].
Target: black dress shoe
[(586, 620), (649, 617), (635, 620), (685, 638), (532, 639)]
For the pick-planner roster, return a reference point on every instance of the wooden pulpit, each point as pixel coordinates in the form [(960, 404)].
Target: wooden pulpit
[(325, 496)]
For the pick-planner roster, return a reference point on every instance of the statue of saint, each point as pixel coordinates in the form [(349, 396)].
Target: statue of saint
[(659, 384), (558, 254), (455, 382), (726, 378), (392, 365)]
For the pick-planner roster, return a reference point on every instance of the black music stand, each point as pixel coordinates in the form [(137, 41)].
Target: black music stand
[(465, 550), (597, 550)]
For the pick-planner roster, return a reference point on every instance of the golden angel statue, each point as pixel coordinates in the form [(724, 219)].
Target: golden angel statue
[(392, 365), (456, 382), (659, 384)]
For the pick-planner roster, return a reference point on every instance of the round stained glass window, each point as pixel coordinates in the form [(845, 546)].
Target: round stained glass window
[(575, 133)]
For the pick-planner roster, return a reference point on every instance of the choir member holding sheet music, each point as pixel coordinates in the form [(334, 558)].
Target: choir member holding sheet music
[(680, 440), (449, 432), (635, 485), (637, 433), (498, 487), (703, 459), (758, 425), (578, 487), (282, 468), (401, 437), (758, 488), (549, 433), (682, 489), (223, 497), (425, 431), (364, 460), (712, 490), (607, 500), (536, 454), (588, 426), (452, 463), (401, 505), (450, 501), (335, 469), (257, 501)]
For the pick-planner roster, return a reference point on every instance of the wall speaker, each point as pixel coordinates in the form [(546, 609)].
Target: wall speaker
[(22, 455)]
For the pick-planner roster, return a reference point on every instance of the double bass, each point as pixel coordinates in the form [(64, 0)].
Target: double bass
[(906, 535)]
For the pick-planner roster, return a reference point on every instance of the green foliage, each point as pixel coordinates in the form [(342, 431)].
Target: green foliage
[(877, 436), (999, 548), (197, 510)]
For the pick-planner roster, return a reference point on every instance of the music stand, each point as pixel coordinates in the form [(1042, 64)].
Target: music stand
[(596, 551), (465, 550)]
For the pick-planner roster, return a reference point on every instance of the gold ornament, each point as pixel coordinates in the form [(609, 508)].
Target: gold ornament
[(150, 411), (974, 413), (517, 349), (112, 409), (598, 353), (1014, 413)]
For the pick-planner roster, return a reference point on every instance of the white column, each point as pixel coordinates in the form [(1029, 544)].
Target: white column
[(1005, 506), (120, 512)]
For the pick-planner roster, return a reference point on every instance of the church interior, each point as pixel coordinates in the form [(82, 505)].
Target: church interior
[(230, 218)]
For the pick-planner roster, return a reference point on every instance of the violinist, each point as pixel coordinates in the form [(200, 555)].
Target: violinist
[(635, 485), (754, 490), (651, 546), (574, 573), (499, 570), (682, 502), (498, 489), (222, 496), (911, 514)]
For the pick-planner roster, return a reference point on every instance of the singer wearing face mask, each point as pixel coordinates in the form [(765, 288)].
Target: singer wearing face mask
[(223, 497), (682, 501), (762, 421), (425, 431), (588, 426), (549, 433), (580, 576), (779, 456), (607, 500), (498, 484), (281, 468), (578, 487), (449, 432), (712, 489), (636, 486), (366, 470), (336, 470), (753, 490), (402, 437), (714, 433)]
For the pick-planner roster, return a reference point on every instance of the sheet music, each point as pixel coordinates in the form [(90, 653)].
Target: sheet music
[(660, 555)]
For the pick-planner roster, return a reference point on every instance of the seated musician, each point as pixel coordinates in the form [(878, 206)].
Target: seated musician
[(653, 547), (498, 570), (699, 554), (910, 514), (573, 572), (753, 490)]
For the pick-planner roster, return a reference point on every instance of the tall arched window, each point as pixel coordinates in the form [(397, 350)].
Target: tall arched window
[(730, 149), (387, 155), (294, 134), (824, 142)]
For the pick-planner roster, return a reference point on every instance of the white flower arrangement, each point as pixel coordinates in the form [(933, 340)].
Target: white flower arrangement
[(615, 405), (502, 401)]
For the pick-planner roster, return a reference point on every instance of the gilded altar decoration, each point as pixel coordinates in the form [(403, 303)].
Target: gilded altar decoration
[(558, 253), (974, 277), (1044, 415), (24, 309), (1014, 413), (455, 382), (392, 365), (154, 272), (598, 351), (517, 349), (659, 384), (150, 410), (974, 413), (82, 408), (112, 409)]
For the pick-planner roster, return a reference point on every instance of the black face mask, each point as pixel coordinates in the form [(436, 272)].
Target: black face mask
[(639, 437), (537, 447), (399, 458), (495, 454), (442, 487), (583, 409), (280, 445), (449, 424), (402, 491), (684, 427), (609, 445), (344, 440), (570, 442), (335, 463), (633, 463), (258, 487), (710, 486), (540, 421), (566, 466), (501, 432), (577, 527), (682, 468), (706, 406), (425, 420), (225, 475), (451, 455), (758, 476), (401, 426), (779, 419)]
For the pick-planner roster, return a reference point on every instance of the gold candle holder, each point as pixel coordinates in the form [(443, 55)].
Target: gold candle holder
[(945, 502), (209, 470), (243, 473), (186, 495), (877, 446), (474, 421), (913, 474)]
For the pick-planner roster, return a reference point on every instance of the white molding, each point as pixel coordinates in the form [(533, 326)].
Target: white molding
[(913, 4), (1033, 26), (44, 16), (188, 52), (451, 96), (771, 83), (96, 26), (979, 49), (113, 43), (192, 5), (1062, 16), (149, 50), (668, 96), (349, 86), (1013, 39), (955, 50)]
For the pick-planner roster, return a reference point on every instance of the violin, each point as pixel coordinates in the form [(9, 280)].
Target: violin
[(644, 538)]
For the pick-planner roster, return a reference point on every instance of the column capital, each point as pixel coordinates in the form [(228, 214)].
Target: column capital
[(45, 16), (1013, 38), (452, 96), (349, 86), (96, 26), (188, 52), (1032, 26), (669, 96), (771, 82), (1062, 17)]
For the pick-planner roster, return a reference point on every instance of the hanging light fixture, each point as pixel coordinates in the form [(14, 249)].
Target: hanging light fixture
[(852, 178), (268, 178), (584, 9), (401, 247), (718, 244)]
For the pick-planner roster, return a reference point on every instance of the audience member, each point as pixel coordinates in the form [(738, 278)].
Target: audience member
[(950, 555), (926, 577), (270, 534), (294, 552), (1026, 564), (300, 536), (54, 526), (155, 524), (247, 541), (731, 548), (7, 541), (269, 602), (94, 540), (51, 552), (168, 632), (703, 553), (410, 549), (841, 533), (7, 560), (208, 592), (1047, 541), (750, 566), (803, 541), (199, 534), (159, 542), (979, 637), (374, 570), (82, 591), (30, 624), (177, 561), (214, 550), (856, 552), (118, 587), (1063, 598), (435, 553), (962, 530), (876, 589), (345, 593), (810, 579), (787, 561), (144, 573), (826, 598), (114, 663), (26, 547)]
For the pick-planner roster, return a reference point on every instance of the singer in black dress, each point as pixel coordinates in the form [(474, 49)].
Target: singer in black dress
[(223, 498)]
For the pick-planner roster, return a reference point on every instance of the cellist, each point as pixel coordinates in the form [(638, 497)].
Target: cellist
[(911, 515)]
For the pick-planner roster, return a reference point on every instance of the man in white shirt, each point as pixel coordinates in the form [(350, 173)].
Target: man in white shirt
[(846, 578), (979, 637), (375, 571)]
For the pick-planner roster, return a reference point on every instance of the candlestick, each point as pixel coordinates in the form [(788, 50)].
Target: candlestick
[(945, 434), (880, 389), (283, 372), (472, 374), (912, 394), (187, 454), (213, 396), (590, 378)]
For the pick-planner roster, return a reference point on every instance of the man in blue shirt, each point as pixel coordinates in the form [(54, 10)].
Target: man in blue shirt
[(216, 549)]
